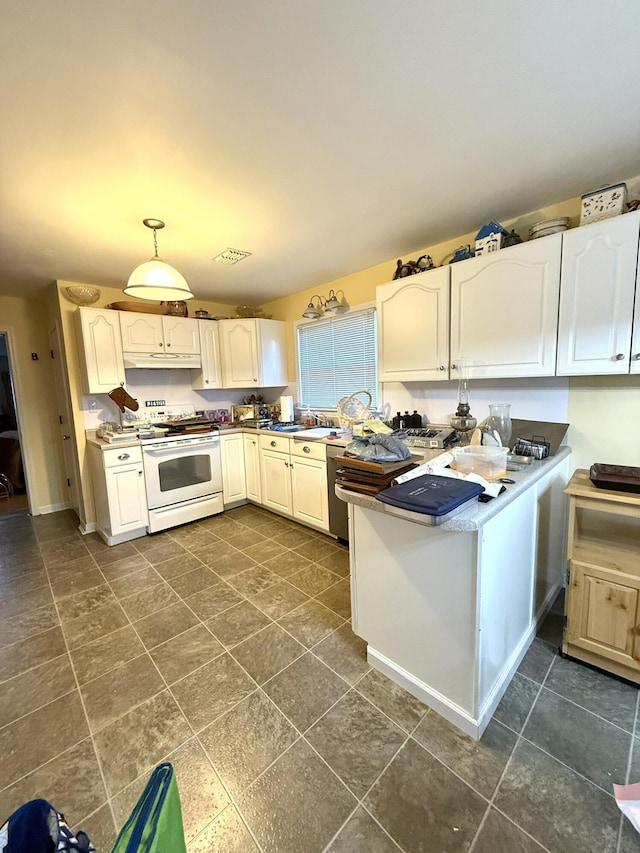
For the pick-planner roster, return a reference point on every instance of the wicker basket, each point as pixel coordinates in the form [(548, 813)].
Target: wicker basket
[(352, 411)]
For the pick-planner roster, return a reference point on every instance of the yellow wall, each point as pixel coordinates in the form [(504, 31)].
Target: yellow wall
[(27, 323), (597, 405)]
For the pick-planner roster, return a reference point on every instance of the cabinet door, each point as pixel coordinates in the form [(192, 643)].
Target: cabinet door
[(233, 478), (209, 375), (252, 468), (272, 353), (635, 337), (310, 494), (596, 297), (504, 310), (181, 335), (126, 498), (239, 353), (276, 481), (103, 367), (603, 612), (413, 327), (141, 332)]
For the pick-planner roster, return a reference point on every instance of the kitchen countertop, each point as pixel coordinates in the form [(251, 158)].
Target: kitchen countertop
[(475, 514)]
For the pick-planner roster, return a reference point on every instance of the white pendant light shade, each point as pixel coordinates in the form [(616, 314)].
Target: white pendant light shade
[(158, 281), (155, 279)]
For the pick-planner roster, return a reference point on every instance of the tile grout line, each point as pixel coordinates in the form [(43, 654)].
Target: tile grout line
[(628, 771), (492, 799), (82, 702)]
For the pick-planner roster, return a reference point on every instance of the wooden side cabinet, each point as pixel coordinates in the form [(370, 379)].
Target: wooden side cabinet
[(603, 594)]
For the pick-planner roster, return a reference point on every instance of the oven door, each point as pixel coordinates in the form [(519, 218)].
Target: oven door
[(177, 471)]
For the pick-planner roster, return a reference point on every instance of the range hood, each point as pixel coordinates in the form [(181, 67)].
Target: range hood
[(161, 359)]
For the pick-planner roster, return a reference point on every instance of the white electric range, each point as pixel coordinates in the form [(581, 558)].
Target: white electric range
[(182, 469)]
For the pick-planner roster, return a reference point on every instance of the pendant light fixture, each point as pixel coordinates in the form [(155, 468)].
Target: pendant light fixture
[(156, 279)]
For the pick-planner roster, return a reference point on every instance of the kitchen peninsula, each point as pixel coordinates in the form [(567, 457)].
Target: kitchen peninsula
[(449, 611)]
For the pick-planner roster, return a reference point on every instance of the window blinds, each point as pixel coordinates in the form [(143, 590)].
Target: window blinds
[(336, 357)]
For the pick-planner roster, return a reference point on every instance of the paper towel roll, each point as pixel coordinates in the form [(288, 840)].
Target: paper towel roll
[(287, 414)]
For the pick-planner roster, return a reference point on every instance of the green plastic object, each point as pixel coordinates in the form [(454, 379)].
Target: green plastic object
[(155, 824)]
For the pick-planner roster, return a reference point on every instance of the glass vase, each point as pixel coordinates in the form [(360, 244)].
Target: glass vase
[(500, 420)]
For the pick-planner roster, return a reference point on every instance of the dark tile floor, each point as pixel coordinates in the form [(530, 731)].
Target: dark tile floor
[(225, 647)]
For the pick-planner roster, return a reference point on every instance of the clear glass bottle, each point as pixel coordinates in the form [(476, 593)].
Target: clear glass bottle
[(500, 420)]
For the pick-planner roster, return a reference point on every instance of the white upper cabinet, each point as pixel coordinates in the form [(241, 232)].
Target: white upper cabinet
[(504, 310), (102, 366), (209, 375), (147, 333), (599, 269), (413, 327), (253, 353)]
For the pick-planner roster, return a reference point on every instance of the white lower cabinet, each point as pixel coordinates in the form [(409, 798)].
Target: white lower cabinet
[(119, 493), (252, 468), (310, 495), (233, 476), (294, 479), (275, 471)]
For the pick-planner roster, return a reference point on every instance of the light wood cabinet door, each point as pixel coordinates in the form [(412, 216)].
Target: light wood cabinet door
[(141, 332), (504, 310), (233, 477), (252, 468), (603, 614), (310, 492), (126, 498), (102, 366), (181, 335), (276, 481), (209, 375), (597, 284), (413, 327), (239, 351), (602, 601)]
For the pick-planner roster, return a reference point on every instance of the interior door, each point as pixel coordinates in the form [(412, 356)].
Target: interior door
[(65, 423)]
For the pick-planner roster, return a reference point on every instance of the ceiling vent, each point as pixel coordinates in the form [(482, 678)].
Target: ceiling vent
[(230, 256)]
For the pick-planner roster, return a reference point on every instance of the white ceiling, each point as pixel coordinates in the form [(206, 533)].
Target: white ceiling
[(323, 136)]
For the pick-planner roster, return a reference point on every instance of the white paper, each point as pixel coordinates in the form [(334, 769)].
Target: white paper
[(433, 466), (628, 800)]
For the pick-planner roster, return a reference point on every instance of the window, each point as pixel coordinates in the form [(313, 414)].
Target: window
[(336, 357)]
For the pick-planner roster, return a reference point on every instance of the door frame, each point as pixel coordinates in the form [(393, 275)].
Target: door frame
[(16, 382)]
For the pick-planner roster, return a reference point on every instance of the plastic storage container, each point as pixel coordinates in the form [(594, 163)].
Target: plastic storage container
[(488, 462)]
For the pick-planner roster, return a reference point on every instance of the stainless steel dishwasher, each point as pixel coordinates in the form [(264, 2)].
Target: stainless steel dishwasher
[(338, 522)]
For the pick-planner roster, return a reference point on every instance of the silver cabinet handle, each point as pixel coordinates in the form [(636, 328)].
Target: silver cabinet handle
[(123, 456), (66, 437), (636, 357), (140, 473), (619, 356), (454, 367), (442, 367), (168, 345), (306, 449), (273, 444), (207, 381)]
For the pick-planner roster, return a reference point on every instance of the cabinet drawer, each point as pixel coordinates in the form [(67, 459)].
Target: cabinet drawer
[(122, 456), (277, 443), (309, 449)]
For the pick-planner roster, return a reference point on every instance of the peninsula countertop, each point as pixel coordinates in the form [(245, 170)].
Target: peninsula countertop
[(475, 514)]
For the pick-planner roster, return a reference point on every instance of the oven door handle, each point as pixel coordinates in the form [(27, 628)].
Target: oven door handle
[(172, 448)]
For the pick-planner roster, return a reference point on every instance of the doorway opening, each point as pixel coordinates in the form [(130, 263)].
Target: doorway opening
[(13, 484)]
